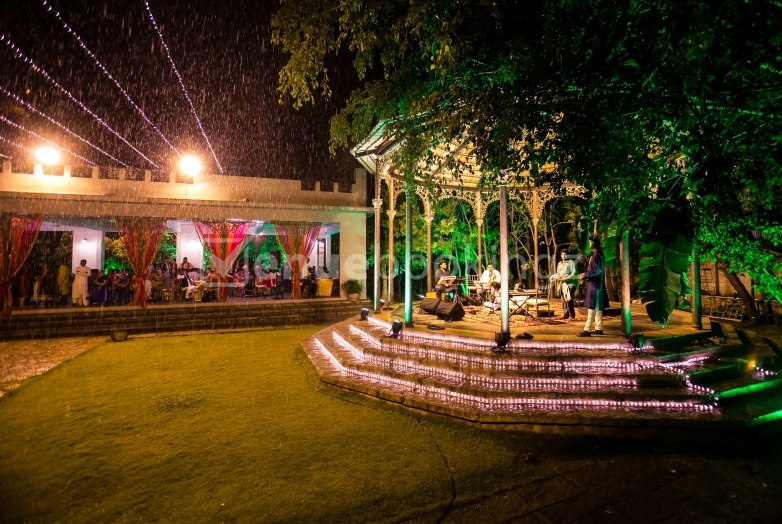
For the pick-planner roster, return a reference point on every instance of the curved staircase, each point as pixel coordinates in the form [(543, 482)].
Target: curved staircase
[(577, 387)]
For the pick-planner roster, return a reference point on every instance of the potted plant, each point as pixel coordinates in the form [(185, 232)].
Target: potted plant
[(352, 288)]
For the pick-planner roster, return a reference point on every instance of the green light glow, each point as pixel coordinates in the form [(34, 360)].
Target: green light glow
[(748, 390)]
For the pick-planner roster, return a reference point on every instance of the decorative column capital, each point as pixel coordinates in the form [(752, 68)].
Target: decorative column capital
[(429, 219), (377, 203), (391, 213), (479, 221)]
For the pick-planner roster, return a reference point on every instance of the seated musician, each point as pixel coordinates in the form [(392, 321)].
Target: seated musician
[(439, 288), (489, 277)]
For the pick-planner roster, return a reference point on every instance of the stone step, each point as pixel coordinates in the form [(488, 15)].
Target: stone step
[(492, 408), (544, 385), (483, 356), (746, 386)]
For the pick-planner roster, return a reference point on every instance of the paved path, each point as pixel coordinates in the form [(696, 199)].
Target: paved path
[(21, 359)]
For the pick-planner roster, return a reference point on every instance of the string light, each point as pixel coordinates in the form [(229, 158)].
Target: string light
[(55, 122), (18, 54), (39, 137), (481, 344), (15, 144), (182, 85), (109, 76), (451, 398), (496, 383)]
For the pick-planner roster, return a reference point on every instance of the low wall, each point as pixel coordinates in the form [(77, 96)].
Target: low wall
[(96, 321)]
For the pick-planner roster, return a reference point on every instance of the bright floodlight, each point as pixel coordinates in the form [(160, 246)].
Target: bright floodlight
[(190, 165), (47, 155)]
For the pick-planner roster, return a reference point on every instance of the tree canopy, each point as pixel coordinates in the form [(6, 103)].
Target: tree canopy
[(650, 104)]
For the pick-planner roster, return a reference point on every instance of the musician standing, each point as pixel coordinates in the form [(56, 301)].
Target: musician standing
[(489, 277), (566, 279)]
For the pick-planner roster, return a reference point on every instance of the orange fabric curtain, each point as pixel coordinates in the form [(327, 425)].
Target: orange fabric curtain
[(17, 236), (297, 240), (141, 237), (225, 241)]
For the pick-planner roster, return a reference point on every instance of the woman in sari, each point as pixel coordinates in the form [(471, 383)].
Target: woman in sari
[(101, 290)]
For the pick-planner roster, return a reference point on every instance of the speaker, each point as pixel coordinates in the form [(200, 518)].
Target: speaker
[(450, 311), (428, 306)]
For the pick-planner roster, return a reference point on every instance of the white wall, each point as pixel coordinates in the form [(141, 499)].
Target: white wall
[(353, 249), (188, 244), (92, 250)]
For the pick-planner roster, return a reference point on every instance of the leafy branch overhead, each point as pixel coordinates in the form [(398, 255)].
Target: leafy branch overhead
[(647, 103)]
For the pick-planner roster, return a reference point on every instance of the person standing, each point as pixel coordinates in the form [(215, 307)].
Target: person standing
[(566, 280), (63, 282), (80, 294), (489, 277), (100, 292), (596, 295)]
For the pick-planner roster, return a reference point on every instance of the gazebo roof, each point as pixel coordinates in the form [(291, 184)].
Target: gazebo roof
[(452, 166)]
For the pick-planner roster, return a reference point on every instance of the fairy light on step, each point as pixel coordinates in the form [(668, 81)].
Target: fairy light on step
[(450, 397), (182, 85), (55, 122), (402, 366), (18, 54), (457, 341), (39, 137), (130, 101)]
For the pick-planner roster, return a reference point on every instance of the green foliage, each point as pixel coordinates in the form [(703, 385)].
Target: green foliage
[(641, 101), (115, 254), (166, 249), (351, 286), (660, 272)]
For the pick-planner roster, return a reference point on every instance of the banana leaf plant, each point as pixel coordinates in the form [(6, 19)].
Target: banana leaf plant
[(660, 273)]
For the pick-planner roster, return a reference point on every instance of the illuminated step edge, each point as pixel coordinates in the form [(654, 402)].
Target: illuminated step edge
[(749, 389), (458, 341), (452, 397), (765, 419), (486, 360), (401, 365), (466, 357), (499, 369)]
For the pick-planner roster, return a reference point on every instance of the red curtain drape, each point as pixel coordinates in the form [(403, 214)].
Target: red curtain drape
[(225, 241), (297, 240), (141, 237), (17, 236)]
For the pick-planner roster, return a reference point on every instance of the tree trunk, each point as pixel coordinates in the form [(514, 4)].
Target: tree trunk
[(735, 281), (609, 283)]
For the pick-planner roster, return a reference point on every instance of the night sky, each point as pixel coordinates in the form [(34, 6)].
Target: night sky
[(229, 67)]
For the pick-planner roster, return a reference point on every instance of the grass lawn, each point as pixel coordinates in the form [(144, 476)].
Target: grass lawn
[(231, 428)]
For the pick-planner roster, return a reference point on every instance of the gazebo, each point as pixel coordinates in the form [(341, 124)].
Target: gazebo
[(464, 183)]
